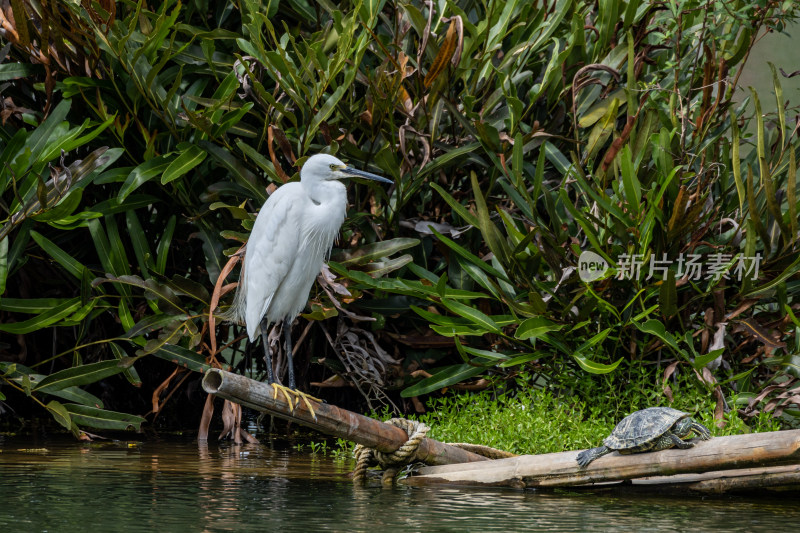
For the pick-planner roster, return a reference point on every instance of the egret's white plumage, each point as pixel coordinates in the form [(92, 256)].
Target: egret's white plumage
[(292, 236)]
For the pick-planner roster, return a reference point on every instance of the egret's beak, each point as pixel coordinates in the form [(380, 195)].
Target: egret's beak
[(350, 171)]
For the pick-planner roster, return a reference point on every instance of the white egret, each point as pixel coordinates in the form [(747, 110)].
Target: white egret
[(292, 237)]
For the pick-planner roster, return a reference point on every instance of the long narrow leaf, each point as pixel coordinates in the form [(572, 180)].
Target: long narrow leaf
[(79, 375)]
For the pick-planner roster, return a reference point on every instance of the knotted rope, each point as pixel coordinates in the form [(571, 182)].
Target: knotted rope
[(393, 462)]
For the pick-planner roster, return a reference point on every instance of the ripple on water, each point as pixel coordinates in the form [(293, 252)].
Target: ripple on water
[(178, 486)]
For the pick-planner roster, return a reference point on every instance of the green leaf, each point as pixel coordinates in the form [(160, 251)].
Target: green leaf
[(491, 234), (633, 189), (483, 353), (79, 375), (655, 327), (3, 264), (369, 252), (736, 163), (100, 418), (702, 360), (40, 137), (153, 323), (162, 250), (524, 358), (60, 413), (440, 319), (472, 314), (186, 161), (30, 305), (242, 175), (70, 264), (378, 269), (443, 378), (183, 357), (668, 295), (44, 319), (456, 206), (141, 247), (459, 331), (535, 327), (596, 339), (75, 394), (130, 373), (167, 300), (787, 272), (143, 173), (472, 258), (12, 71), (593, 367)]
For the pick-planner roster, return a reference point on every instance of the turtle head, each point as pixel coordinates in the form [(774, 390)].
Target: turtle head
[(683, 427)]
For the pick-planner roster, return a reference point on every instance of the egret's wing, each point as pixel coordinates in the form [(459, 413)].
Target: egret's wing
[(271, 251)]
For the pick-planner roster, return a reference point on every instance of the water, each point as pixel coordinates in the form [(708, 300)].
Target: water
[(181, 486)]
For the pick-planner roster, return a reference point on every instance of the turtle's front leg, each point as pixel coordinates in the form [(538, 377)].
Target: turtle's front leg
[(587, 456), (676, 441)]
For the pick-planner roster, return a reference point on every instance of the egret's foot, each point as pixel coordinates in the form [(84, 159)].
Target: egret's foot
[(299, 395), (306, 399), (286, 391)]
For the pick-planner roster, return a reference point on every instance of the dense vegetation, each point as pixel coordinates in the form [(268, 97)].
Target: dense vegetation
[(138, 141)]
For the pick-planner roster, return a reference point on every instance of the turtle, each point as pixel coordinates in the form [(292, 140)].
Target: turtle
[(648, 430)]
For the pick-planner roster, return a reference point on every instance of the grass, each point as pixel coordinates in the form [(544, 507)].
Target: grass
[(535, 421)]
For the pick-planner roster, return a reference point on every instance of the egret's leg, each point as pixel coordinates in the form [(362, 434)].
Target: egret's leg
[(287, 337), (276, 386), (267, 355)]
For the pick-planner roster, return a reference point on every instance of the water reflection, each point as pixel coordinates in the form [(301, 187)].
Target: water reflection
[(189, 487)]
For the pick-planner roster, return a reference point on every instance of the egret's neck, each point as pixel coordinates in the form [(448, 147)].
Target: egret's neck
[(326, 192)]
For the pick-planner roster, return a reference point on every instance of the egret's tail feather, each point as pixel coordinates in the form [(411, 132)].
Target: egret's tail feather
[(235, 313)]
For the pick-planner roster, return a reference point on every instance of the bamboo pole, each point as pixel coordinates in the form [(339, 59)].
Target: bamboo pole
[(560, 469), (776, 478), (329, 419)]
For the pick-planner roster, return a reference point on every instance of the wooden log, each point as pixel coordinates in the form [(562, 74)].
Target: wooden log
[(329, 419), (561, 469), (720, 481)]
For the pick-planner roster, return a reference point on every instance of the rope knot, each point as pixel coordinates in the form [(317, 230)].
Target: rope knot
[(393, 462)]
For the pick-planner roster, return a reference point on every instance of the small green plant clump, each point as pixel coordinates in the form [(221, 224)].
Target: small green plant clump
[(534, 421)]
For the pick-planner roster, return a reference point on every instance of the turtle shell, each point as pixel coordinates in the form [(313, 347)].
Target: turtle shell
[(642, 427)]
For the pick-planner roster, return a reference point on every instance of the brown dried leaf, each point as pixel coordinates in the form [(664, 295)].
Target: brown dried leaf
[(719, 410), (419, 407), (157, 393), (460, 31), (752, 327), (237, 423), (426, 32), (334, 382), (278, 168), (228, 419), (446, 53), (761, 395), (405, 100), (329, 279), (205, 419), (21, 22), (219, 290), (741, 308), (283, 142)]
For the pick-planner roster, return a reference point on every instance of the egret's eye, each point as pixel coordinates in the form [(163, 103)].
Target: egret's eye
[(333, 167)]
